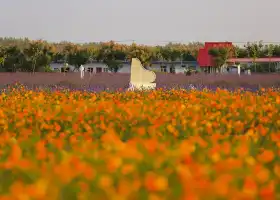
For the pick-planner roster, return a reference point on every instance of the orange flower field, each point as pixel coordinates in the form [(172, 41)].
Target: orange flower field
[(139, 145)]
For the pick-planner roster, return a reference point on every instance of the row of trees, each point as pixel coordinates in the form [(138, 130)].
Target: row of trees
[(12, 58), (250, 50), (27, 55), (31, 56)]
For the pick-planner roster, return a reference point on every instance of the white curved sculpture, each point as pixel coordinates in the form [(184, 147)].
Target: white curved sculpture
[(82, 70), (238, 69), (141, 78)]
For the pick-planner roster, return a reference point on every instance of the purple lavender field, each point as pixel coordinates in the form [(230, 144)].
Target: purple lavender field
[(117, 81)]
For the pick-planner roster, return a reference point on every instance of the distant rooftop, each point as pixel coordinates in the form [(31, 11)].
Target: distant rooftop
[(258, 60)]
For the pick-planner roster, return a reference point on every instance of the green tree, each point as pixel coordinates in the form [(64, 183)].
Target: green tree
[(3, 55), (170, 53), (92, 53), (220, 56), (37, 54), (58, 56), (119, 54), (77, 58), (270, 54), (236, 51), (242, 53), (276, 50), (255, 50), (187, 56), (143, 53), (165, 53), (255, 56), (157, 54), (113, 65), (106, 52), (14, 59), (175, 54), (111, 54), (66, 51)]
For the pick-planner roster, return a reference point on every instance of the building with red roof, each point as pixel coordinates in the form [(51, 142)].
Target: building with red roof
[(206, 60)]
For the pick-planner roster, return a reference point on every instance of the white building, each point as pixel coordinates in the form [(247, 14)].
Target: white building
[(157, 66), (175, 67), (89, 67)]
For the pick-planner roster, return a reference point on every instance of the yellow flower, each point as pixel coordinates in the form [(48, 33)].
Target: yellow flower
[(161, 183), (105, 181), (250, 160), (215, 157)]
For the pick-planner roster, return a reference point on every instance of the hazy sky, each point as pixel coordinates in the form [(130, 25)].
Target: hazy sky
[(145, 21)]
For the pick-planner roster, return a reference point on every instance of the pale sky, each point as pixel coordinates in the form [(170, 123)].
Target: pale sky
[(145, 21)]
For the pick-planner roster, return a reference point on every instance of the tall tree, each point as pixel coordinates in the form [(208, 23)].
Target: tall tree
[(77, 58), (157, 54), (68, 49), (220, 56), (92, 53), (140, 52), (276, 51), (3, 55), (111, 54), (113, 65), (37, 55), (255, 50), (106, 52), (14, 59), (255, 56), (270, 50)]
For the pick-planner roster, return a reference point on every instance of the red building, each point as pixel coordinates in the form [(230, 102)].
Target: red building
[(204, 59)]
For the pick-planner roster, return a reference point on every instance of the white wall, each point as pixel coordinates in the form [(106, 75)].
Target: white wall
[(178, 68), (96, 65), (125, 68), (58, 66)]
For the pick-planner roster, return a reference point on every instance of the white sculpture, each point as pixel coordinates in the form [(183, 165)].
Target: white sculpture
[(82, 70), (141, 78), (249, 72), (238, 70)]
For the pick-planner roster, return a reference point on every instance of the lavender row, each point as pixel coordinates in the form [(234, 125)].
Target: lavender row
[(113, 82)]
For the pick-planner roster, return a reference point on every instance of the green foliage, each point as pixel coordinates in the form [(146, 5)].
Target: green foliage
[(31, 56), (140, 52), (3, 55), (77, 58), (220, 56), (37, 54), (48, 69), (270, 49), (240, 52), (2, 60), (113, 51), (255, 49), (11, 58), (113, 65)]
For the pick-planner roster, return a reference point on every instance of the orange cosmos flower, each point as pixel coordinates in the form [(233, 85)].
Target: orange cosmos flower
[(250, 187), (105, 181), (266, 156)]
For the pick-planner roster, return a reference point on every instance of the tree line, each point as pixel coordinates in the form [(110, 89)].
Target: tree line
[(31, 56), (250, 50)]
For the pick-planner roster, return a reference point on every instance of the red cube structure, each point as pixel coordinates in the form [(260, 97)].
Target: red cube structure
[(204, 59)]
